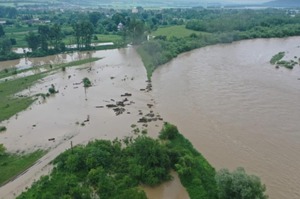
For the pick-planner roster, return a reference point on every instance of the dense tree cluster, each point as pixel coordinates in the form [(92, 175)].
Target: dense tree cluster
[(47, 40), (6, 46), (8, 12), (116, 169), (237, 185)]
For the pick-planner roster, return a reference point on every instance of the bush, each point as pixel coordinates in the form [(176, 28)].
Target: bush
[(52, 89), (86, 82), (2, 128), (2, 150), (238, 184)]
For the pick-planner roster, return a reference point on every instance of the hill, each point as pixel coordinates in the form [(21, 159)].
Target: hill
[(283, 3)]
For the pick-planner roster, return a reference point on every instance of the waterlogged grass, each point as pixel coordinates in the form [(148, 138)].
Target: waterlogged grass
[(174, 31), (107, 38), (147, 60), (287, 64), (77, 63), (10, 104), (12, 165), (277, 57)]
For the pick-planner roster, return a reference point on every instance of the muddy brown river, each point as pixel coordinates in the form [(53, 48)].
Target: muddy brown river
[(237, 109)]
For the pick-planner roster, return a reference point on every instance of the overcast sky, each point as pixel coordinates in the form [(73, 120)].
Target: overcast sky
[(246, 1)]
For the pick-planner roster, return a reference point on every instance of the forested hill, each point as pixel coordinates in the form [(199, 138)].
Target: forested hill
[(283, 3)]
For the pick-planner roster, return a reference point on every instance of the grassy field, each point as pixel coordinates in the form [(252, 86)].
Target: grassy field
[(19, 34), (101, 39), (12, 165), (14, 3), (176, 31), (108, 38)]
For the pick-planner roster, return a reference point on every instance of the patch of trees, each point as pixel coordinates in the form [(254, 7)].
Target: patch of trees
[(6, 46), (47, 40), (116, 169), (238, 184), (8, 12), (83, 32), (218, 26)]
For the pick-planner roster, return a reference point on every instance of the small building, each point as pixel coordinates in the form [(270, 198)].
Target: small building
[(120, 26), (135, 10), (2, 22)]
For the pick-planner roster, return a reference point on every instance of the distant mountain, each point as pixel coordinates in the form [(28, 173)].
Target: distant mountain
[(283, 3)]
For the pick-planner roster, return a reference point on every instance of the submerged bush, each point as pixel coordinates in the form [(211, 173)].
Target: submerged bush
[(86, 82), (52, 89), (238, 184), (2, 128)]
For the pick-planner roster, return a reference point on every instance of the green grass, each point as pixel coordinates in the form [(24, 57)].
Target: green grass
[(101, 39), (19, 34), (12, 165), (108, 38), (277, 57), (23, 29), (176, 31), (77, 63), (10, 104), (147, 61)]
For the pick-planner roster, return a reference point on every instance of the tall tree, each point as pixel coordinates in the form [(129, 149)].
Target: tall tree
[(44, 31), (5, 46), (2, 33), (136, 31), (83, 32), (55, 36), (33, 40)]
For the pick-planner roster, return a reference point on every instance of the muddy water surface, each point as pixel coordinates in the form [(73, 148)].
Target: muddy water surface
[(64, 116), (237, 109), (38, 61)]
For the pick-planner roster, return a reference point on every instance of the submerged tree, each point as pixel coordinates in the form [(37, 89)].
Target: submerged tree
[(239, 185)]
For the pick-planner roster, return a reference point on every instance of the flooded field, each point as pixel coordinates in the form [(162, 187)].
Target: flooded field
[(77, 114), (237, 109)]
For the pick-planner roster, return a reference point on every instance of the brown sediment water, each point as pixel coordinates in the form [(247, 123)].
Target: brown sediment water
[(237, 109), (60, 116), (170, 190)]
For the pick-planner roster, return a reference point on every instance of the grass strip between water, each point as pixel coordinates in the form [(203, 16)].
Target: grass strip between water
[(10, 104), (12, 165)]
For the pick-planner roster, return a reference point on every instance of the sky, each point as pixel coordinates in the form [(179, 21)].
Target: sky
[(246, 1)]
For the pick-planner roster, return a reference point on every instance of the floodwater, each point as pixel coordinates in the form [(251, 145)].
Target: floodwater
[(64, 116), (39, 61), (237, 109)]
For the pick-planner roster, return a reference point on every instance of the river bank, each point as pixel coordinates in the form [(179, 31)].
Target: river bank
[(237, 108), (61, 116)]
